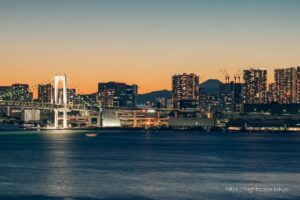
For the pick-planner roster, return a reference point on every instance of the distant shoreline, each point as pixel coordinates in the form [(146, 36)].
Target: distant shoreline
[(200, 130)]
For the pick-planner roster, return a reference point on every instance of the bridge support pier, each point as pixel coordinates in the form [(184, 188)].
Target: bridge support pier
[(63, 79), (55, 118), (100, 119), (65, 121), (64, 118)]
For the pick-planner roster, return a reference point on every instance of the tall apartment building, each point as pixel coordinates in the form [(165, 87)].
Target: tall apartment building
[(298, 85), (20, 92), (45, 93), (255, 88), (5, 92), (286, 85), (231, 96), (271, 93), (185, 91), (114, 94)]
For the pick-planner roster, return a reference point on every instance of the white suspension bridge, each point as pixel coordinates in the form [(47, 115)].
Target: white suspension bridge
[(60, 104)]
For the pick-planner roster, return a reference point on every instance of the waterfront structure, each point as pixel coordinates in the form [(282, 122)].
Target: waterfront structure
[(285, 85), (273, 109), (196, 122), (45, 93), (84, 119), (140, 118), (263, 121), (185, 91), (13, 112), (105, 108), (31, 115), (20, 92), (114, 94), (255, 90)]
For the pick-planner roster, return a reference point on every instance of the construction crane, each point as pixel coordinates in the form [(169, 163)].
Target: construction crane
[(226, 75), (237, 76)]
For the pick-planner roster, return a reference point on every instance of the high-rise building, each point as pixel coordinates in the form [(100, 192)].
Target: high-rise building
[(298, 85), (208, 103), (114, 94), (255, 89), (285, 85), (89, 98), (5, 92), (231, 96), (45, 93), (271, 93), (20, 92), (185, 90)]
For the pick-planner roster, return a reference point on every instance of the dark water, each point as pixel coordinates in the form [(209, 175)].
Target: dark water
[(120, 165)]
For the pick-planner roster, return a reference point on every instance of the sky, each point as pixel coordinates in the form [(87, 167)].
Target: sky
[(144, 42)]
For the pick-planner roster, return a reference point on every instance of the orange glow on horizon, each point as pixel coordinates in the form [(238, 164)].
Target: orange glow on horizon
[(144, 42)]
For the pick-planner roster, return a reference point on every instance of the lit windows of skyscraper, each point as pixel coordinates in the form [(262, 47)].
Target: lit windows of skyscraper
[(20, 92), (45, 93), (185, 91), (271, 93), (4, 95), (5, 92), (114, 94), (298, 85), (285, 85), (231, 96), (255, 86)]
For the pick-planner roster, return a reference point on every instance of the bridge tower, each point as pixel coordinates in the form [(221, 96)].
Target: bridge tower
[(63, 79)]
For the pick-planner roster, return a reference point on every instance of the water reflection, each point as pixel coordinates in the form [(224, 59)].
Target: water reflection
[(59, 175), (146, 165)]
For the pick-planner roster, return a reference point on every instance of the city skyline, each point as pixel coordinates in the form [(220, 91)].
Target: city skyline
[(238, 77), (143, 42), (250, 84), (149, 99), (188, 99)]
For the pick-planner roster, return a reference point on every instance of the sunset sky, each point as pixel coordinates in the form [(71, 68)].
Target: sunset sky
[(144, 42)]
